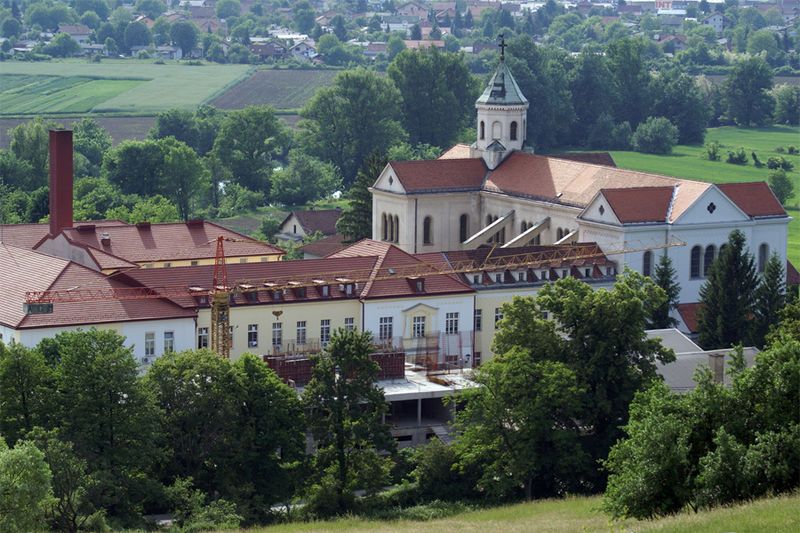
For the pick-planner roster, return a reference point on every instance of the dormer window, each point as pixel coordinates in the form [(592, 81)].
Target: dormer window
[(498, 278), (476, 279), (277, 295), (325, 290), (300, 292)]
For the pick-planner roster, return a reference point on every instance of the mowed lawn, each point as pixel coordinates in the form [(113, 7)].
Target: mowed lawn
[(577, 514), (685, 162), (112, 86)]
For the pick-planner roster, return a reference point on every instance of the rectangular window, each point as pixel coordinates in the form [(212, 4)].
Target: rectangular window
[(349, 323), (243, 260), (477, 359), (202, 338), (385, 328), (326, 291), (521, 276), (252, 335), (301, 332), (418, 327), (324, 331), (277, 334), (451, 323), (167, 265), (194, 263), (230, 337), (498, 315), (149, 344), (478, 319), (169, 341)]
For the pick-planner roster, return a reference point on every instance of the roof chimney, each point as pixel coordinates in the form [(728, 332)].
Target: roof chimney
[(60, 180)]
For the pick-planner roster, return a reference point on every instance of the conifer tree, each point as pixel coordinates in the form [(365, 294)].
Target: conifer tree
[(727, 295), (665, 277), (770, 299), (356, 220)]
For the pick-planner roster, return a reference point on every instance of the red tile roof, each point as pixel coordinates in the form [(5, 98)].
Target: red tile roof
[(594, 158), (756, 199), (324, 247), (168, 242), (440, 174), (322, 220), (792, 275), (25, 270), (29, 235), (640, 204), (688, 313)]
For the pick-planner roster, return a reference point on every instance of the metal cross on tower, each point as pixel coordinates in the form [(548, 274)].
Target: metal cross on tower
[(502, 46)]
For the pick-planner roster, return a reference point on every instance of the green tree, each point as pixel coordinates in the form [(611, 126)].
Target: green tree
[(666, 278), (248, 141), (518, 426), (415, 33), (62, 45), (631, 80), (184, 34), (136, 167), (304, 180), (152, 209), (111, 419), (177, 123), (770, 299), (14, 172), (781, 185), (184, 175), (137, 34), (345, 409), (228, 8), (356, 220), (656, 135), (762, 42), (339, 28), (30, 142), (747, 92), (26, 391), (590, 85), (677, 97), (354, 117), (438, 95), (91, 140), (303, 16), (97, 6), (727, 295), (48, 15), (11, 27), (394, 45), (151, 8), (787, 104), (25, 491)]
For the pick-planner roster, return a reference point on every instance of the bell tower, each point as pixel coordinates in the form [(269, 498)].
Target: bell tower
[(502, 115)]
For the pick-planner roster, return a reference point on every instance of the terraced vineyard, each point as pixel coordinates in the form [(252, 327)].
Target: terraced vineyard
[(282, 89), (31, 94)]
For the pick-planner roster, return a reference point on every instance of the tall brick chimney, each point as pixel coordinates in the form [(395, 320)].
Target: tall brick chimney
[(60, 180)]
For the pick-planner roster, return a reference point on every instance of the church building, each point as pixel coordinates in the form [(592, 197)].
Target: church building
[(498, 192)]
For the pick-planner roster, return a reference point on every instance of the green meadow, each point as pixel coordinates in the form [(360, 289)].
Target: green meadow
[(686, 162), (576, 515), (131, 87)]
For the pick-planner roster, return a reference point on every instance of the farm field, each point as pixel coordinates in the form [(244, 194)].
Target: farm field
[(576, 514), (112, 86), (282, 89), (120, 128), (685, 162)]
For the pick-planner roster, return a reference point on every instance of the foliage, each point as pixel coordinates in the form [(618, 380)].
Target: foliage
[(184, 173), (656, 135), (437, 474), (665, 277), (247, 142), (787, 104), (770, 298), (590, 85), (184, 34), (518, 426), (631, 80), (747, 92), (192, 513), (727, 295), (712, 151), (25, 491), (677, 96), (781, 185), (29, 142), (738, 157), (437, 93), (137, 34), (237, 199), (26, 384), (91, 140), (354, 117), (304, 180), (356, 220), (345, 410), (153, 209), (62, 45), (779, 162)]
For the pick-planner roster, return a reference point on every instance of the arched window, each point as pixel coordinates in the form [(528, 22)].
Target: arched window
[(396, 229), (708, 258), (763, 253), (502, 234), (427, 236), (559, 234), (463, 228), (514, 131), (383, 227), (523, 226), (647, 263), (390, 228), (483, 130), (497, 130), (695, 262)]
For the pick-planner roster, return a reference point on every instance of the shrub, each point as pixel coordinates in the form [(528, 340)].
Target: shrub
[(776, 162), (781, 185), (712, 151), (739, 157), (656, 135), (780, 149), (621, 136), (792, 150), (756, 161)]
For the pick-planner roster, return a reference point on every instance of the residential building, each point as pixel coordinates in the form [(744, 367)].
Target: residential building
[(299, 224)]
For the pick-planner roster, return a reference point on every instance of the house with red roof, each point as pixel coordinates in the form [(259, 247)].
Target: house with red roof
[(299, 224), (498, 192)]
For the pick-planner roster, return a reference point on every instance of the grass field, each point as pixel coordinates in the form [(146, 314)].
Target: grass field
[(112, 86), (282, 89), (685, 162), (578, 514)]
